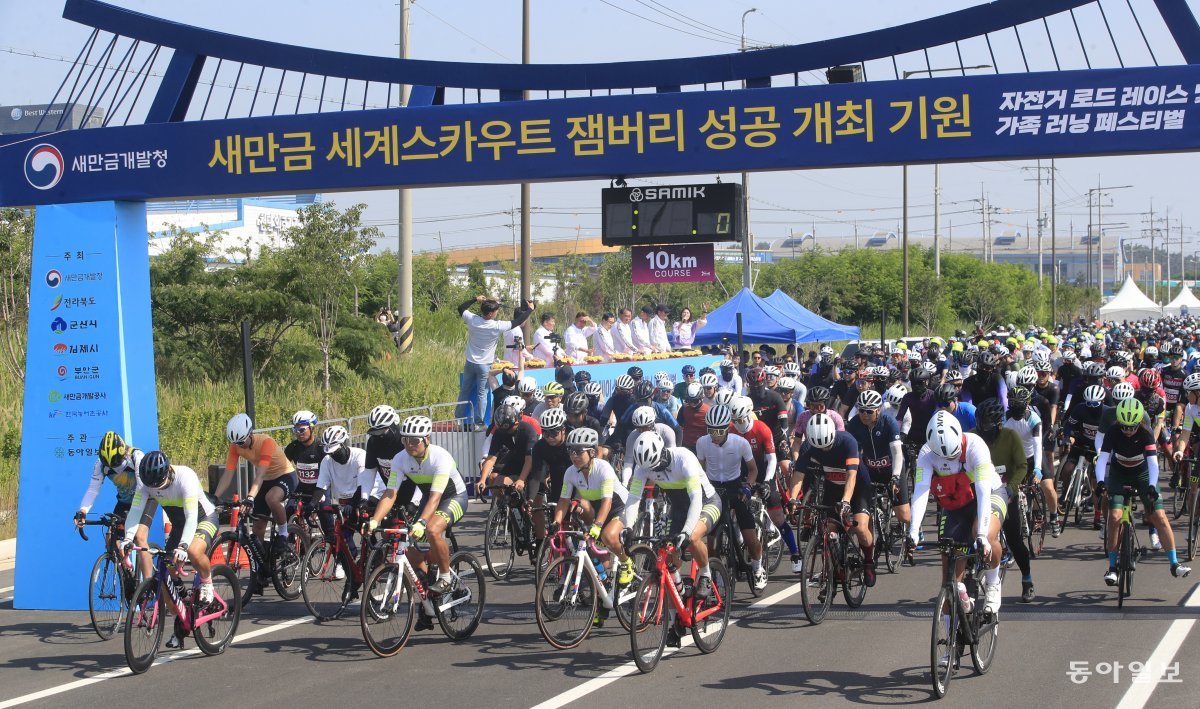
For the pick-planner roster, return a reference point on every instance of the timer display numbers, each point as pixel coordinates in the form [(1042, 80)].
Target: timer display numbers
[(674, 214)]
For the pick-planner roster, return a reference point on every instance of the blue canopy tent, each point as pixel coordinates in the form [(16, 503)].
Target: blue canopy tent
[(761, 323), (822, 330)]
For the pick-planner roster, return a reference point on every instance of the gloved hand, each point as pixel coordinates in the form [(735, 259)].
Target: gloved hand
[(1037, 474), (553, 528), (248, 503), (80, 516), (681, 541), (418, 530), (370, 525), (124, 546), (181, 554), (746, 492), (843, 509), (594, 532), (984, 546)]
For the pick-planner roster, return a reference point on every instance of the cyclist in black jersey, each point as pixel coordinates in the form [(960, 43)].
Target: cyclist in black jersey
[(305, 452)]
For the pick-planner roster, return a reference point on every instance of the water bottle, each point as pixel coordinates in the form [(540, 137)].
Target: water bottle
[(600, 572), (968, 603)]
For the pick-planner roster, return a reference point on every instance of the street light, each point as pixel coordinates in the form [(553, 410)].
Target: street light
[(746, 277), (937, 190), (1101, 191)]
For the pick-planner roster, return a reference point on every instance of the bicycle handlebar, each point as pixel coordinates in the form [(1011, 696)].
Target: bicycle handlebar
[(105, 520)]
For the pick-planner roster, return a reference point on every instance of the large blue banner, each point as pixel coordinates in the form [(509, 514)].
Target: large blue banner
[(1007, 116), (89, 369)]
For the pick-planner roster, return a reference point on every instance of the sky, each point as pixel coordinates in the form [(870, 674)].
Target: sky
[(581, 31)]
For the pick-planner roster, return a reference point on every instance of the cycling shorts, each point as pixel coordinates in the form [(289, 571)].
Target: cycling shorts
[(287, 483), (1075, 452), (710, 510), (121, 511), (903, 494), (730, 493), (206, 527), (614, 512), (452, 508), (1139, 479), (959, 524), (859, 504)]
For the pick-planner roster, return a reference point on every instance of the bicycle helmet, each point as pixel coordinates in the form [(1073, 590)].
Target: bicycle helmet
[(112, 450), (818, 395), (643, 391), (1122, 391), (718, 417), (954, 376), (538, 395), (1020, 395), (693, 392), (553, 389), (625, 383), (1041, 364), (929, 367), (635, 373), (527, 385), (920, 380), (1192, 382), (334, 438), (582, 377), (987, 360), (726, 364), (304, 417), (651, 452), (1152, 351), (593, 389), (419, 426), (516, 402), (1115, 372), (508, 377), (870, 400), (644, 416), (1093, 369), (880, 373), (583, 439), (756, 377), (1130, 412), (1026, 376), (708, 381), (553, 419), (155, 470), (740, 408), (239, 429), (989, 414), (896, 394), (1150, 378), (381, 418), (821, 431), (1093, 395), (661, 376), (786, 384), (946, 394), (576, 403), (791, 369), (944, 435), (688, 370), (507, 415)]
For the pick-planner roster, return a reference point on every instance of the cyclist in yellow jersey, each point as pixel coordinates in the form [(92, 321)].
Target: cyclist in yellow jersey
[(602, 496)]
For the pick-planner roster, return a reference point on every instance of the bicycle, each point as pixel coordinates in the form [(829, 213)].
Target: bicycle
[(730, 546), (241, 549), (395, 588), (1129, 546), (659, 605), (331, 575), (886, 529), (955, 627), (573, 592), (1072, 498), (213, 625), (509, 531), (113, 579), (1034, 520), (1190, 472), (831, 559)]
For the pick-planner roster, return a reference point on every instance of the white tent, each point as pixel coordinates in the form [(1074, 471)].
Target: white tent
[(1130, 303), (1185, 299)]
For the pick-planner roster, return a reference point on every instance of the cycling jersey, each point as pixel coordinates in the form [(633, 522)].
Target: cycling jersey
[(770, 409), (1083, 423), (975, 462), (965, 413), (922, 406), (723, 463), (510, 447), (343, 480), (184, 504), (692, 423), (684, 476), (589, 421), (380, 451), (1130, 453), (599, 484), (875, 445), (1172, 384), (307, 460), (548, 462), (265, 454), (668, 436), (836, 464), (1008, 456), (123, 477), (1029, 427), (733, 383), (762, 445), (435, 472), (1189, 425), (980, 387)]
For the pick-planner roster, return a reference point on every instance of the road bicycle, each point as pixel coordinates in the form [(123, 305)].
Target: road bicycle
[(886, 529), (957, 626), (1190, 484), (1129, 546), (1072, 498), (1034, 520), (396, 589), (654, 514), (113, 579), (831, 559), (212, 625), (509, 531), (577, 589), (332, 574), (241, 549), (660, 606), (729, 545)]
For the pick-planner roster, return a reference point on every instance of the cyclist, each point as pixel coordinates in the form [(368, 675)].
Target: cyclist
[(193, 518), (431, 469), (1081, 424), (643, 419), (1187, 433), (818, 402), (554, 393), (879, 446), (1045, 398), (689, 377), (957, 468), (576, 407), (595, 395), (708, 387), (1134, 455), (832, 456), (664, 397), (118, 462), (767, 404), (602, 497), (506, 386), (729, 378), (691, 417), (344, 478), (766, 458), (510, 455), (615, 409), (383, 443), (986, 382), (723, 455), (1024, 418), (946, 396), (549, 464), (305, 452), (1008, 456)]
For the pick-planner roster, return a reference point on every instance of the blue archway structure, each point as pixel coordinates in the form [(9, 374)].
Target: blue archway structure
[(90, 358)]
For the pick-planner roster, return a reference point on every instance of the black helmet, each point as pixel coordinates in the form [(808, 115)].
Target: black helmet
[(818, 395), (1020, 395), (988, 360), (576, 403), (636, 373), (989, 414), (643, 391), (946, 394), (920, 379), (155, 470), (582, 377)]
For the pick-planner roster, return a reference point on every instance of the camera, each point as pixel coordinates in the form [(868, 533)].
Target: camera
[(555, 338)]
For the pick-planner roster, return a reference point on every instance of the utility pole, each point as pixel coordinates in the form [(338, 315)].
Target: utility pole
[(404, 283), (937, 220), (526, 232), (1053, 247), (904, 254), (747, 278)]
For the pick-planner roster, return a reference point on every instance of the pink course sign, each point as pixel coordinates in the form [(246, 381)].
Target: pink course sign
[(680, 263)]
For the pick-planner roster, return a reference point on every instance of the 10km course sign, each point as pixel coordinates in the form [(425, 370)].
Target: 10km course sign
[(680, 263)]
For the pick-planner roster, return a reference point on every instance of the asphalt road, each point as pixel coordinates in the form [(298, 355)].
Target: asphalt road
[(875, 655)]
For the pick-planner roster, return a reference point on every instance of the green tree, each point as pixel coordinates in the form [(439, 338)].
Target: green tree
[(16, 250)]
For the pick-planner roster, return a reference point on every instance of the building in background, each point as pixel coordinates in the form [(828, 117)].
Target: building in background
[(247, 224), (24, 119)]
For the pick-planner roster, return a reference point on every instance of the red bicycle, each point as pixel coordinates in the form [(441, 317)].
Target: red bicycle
[(659, 606), (331, 573)]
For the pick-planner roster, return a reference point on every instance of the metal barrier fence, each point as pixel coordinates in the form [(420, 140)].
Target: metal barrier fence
[(454, 433)]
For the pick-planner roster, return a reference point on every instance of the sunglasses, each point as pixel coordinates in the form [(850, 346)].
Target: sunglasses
[(577, 451), (411, 440), (1130, 429), (718, 431)]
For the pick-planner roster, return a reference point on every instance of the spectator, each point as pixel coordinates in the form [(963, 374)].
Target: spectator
[(603, 342), (641, 330), (658, 330), (483, 332), (576, 339), (685, 328), (544, 346), (623, 332)]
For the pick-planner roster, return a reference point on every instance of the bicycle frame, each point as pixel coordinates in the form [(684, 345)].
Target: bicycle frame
[(684, 609), (578, 545), (183, 608), (399, 546)]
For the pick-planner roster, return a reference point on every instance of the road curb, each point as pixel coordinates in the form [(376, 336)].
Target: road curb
[(8, 551)]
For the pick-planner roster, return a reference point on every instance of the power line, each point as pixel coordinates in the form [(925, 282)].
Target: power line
[(660, 24), (422, 8)]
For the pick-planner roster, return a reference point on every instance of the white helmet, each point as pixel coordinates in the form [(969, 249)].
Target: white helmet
[(515, 402), (239, 429), (870, 400), (649, 449), (1094, 394), (944, 434), (417, 426), (826, 349), (896, 394), (642, 416), (708, 381), (382, 417), (1122, 391), (718, 417), (929, 367), (552, 419), (791, 369), (527, 385), (786, 384), (773, 371), (821, 431), (693, 391), (583, 437), (1151, 351), (1192, 382), (1115, 372), (741, 407), (1027, 376), (625, 382), (539, 395), (304, 417), (725, 396), (334, 438), (593, 389)]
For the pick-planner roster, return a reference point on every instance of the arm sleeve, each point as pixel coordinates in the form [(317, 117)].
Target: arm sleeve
[(231, 460), (906, 423), (462, 308), (1152, 464), (1003, 389), (89, 497), (984, 471), (695, 492), (519, 317), (1036, 433), (191, 516), (134, 516), (920, 496), (769, 464), (268, 450), (636, 486), (1102, 459), (897, 449)]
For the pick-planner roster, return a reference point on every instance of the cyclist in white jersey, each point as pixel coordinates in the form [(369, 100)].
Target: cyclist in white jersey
[(723, 454)]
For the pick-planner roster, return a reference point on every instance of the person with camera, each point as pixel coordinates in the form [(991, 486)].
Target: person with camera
[(483, 332)]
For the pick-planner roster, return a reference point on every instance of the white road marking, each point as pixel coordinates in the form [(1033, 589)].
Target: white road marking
[(631, 667), (6, 589), (69, 686), (1139, 692)]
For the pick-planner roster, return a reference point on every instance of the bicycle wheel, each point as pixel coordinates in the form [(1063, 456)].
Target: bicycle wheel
[(643, 565), (1125, 559), (499, 547), (106, 597), (325, 595), (816, 591), (854, 583), (460, 610), (983, 651), (708, 631), (1070, 500), (144, 626), (943, 643), (387, 610), (1193, 531), (564, 614), (725, 549), (1037, 519), (214, 636), (288, 570), (772, 543), (651, 617), (889, 543), (228, 550)]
